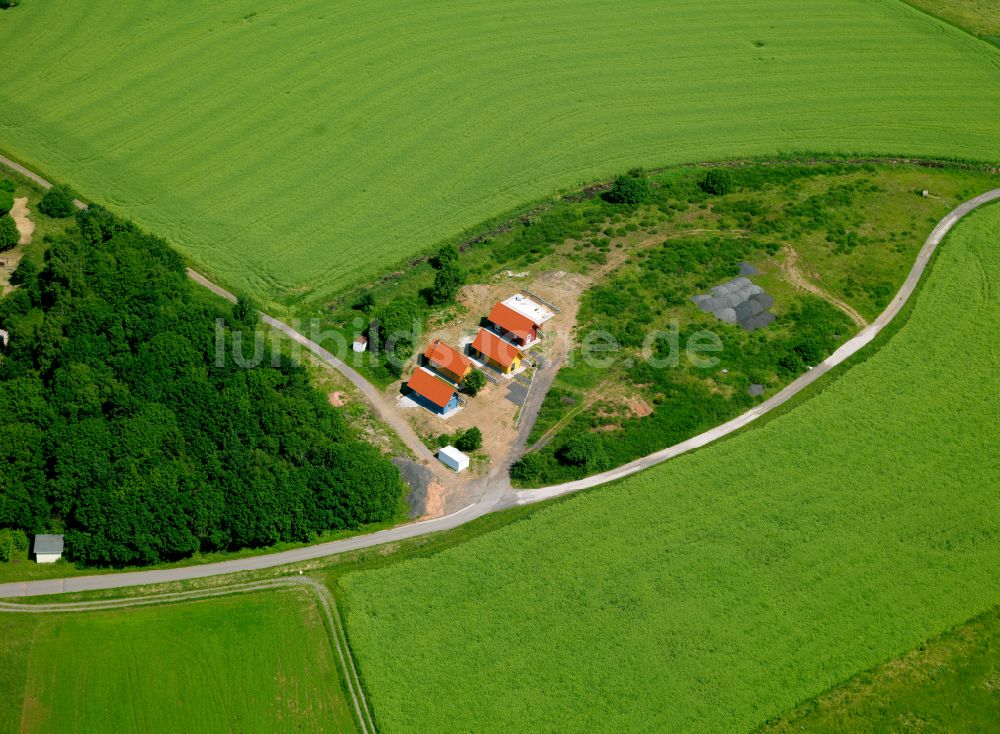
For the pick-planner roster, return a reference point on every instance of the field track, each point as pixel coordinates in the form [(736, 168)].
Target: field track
[(326, 601), (495, 492)]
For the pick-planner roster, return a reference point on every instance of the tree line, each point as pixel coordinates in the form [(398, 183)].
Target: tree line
[(120, 428)]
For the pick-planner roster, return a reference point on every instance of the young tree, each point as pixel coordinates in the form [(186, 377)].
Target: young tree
[(717, 181), (632, 188), (245, 313), (9, 235), (475, 382), (471, 440), (446, 255), (57, 202), (447, 280)]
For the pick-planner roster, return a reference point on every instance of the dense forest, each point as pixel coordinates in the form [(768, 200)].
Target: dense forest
[(120, 428)]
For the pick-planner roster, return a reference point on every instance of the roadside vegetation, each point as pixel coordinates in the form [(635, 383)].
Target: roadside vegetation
[(735, 582), (121, 427), (358, 154), (949, 684), (259, 662)]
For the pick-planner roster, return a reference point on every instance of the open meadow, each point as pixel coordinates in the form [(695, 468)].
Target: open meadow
[(719, 590), (252, 663), (293, 148)]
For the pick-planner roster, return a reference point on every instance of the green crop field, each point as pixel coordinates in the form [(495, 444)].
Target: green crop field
[(291, 148), (723, 588), (254, 663), (949, 684)]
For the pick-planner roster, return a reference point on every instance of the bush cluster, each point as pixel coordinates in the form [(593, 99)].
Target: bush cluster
[(13, 544), (9, 234), (58, 202)]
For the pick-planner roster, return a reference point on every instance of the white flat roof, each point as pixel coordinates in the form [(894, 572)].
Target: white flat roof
[(460, 460), (526, 307)]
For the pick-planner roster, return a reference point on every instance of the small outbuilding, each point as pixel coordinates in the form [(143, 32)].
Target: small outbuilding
[(453, 458), (48, 548), (360, 344)]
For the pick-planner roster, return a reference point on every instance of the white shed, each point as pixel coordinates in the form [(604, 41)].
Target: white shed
[(360, 344), (48, 548), (453, 458)]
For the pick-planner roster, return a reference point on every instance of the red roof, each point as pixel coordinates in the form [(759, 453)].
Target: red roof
[(431, 387), (502, 352), (442, 355), (511, 321)]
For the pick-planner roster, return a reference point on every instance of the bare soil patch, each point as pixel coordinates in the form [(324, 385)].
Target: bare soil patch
[(21, 216), (434, 505)]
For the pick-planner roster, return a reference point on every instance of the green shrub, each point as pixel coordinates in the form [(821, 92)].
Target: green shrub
[(365, 302), (528, 468), (445, 255), (9, 234), (629, 189), (402, 316), (8, 4), (25, 272), (584, 450), (447, 280), (471, 440), (6, 201), (245, 313), (717, 181), (13, 544), (57, 202), (475, 382)]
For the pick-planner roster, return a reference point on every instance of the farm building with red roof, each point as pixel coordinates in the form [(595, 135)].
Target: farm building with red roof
[(499, 354), (514, 326), (432, 392), (447, 361)]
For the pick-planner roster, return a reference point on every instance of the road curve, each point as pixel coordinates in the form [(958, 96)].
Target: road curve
[(497, 495), (372, 394), (326, 601)]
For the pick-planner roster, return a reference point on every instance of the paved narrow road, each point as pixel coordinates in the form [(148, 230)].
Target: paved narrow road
[(494, 493)]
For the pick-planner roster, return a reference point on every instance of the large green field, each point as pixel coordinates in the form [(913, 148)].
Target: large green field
[(290, 148), (253, 663), (721, 589)]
